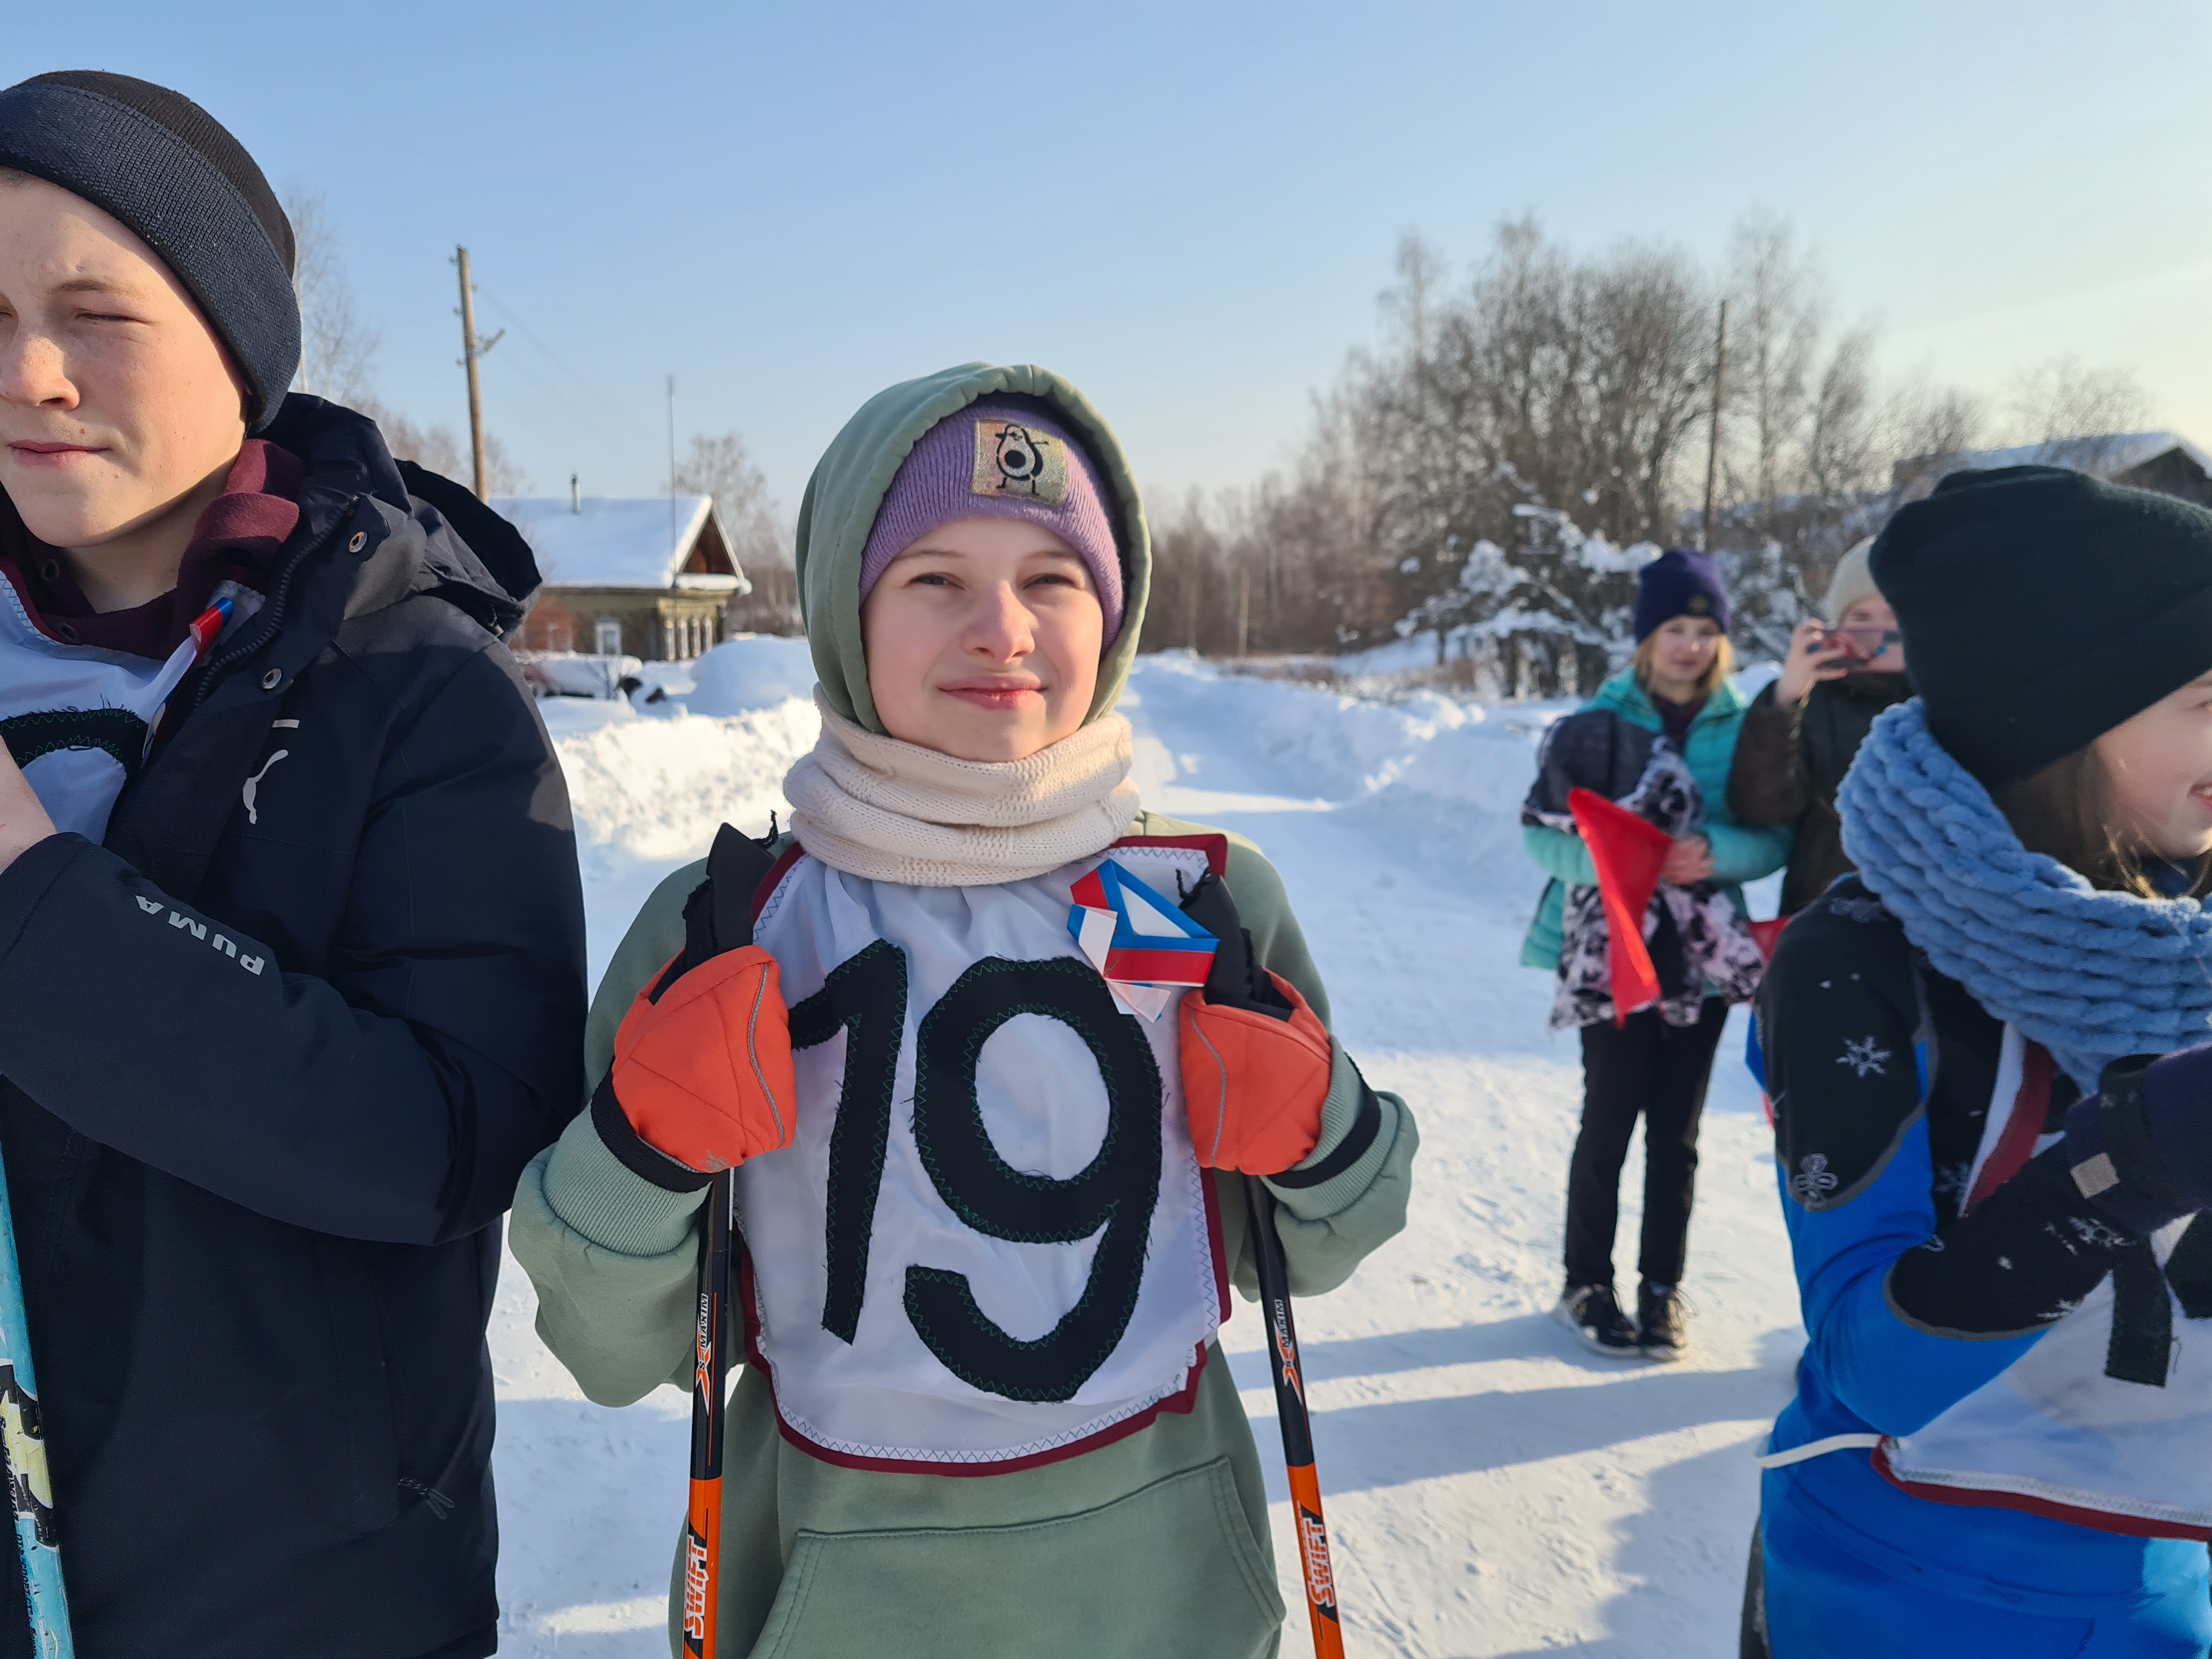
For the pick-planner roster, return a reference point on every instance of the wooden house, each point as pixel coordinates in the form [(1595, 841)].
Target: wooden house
[(2164, 461), (644, 576)]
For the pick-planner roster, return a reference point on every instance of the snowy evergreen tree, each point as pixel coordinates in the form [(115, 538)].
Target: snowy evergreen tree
[(1547, 616)]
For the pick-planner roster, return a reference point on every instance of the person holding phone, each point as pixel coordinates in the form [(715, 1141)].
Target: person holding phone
[(1801, 731)]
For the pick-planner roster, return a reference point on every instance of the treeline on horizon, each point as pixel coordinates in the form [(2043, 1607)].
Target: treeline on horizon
[(1481, 468), (1477, 474)]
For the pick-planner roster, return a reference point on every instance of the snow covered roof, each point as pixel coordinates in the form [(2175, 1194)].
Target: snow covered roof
[(648, 542), (2107, 456)]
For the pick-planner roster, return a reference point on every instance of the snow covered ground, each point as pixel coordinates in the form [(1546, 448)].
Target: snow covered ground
[(1494, 1490)]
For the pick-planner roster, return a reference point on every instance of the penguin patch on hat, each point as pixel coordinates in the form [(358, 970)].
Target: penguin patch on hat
[(1011, 459)]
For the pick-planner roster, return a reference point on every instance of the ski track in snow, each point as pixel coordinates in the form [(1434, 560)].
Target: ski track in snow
[(1492, 1489)]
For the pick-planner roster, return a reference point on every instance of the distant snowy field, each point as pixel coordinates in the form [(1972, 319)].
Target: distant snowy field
[(1494, 1490)]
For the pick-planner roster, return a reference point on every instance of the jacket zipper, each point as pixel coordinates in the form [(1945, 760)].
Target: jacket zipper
[(272, 616)]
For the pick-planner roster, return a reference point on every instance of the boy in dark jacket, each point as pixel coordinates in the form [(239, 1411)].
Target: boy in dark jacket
[(290, 1009)]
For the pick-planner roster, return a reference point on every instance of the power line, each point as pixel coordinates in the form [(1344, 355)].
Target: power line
[(584, 382), (629, 443), (627, 438)]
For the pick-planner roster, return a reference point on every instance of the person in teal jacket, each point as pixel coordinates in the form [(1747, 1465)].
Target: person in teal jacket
[(1675, 696)]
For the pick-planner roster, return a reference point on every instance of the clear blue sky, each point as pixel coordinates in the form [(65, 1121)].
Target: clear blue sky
[(1188, 209)]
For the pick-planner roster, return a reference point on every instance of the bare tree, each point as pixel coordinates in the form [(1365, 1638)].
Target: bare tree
[(1492, 471), (1776, 325), (1932, 424), (1648, 306), (2066, 403), (1845, 447), (337, 352), (722, 467), (435, 449)]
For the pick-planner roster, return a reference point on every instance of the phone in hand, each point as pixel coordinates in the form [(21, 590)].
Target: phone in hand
[(1835, 639)]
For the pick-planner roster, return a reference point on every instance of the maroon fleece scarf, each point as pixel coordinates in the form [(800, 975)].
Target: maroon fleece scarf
[(238, 539)]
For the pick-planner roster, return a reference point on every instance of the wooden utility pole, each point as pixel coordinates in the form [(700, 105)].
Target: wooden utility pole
[(1713, 439), (472, 349), (672, 461)]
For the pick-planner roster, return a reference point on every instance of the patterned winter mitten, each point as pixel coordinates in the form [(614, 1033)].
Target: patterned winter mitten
[(1255, 1058), (2137, 1147), (702, 1061)]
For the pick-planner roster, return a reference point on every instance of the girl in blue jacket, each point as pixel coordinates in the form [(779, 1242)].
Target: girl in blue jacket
[(1660, 738), (2001, 1437)]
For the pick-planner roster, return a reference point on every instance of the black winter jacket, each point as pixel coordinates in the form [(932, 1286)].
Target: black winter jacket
[(258, 1189), (1790, 761)]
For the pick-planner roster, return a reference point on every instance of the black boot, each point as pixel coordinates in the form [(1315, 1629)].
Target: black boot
[(1590, 1312), (1662, 1322)]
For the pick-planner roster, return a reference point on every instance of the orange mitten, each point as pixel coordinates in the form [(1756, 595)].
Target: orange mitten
[(703, 1066), (1255, 1059)]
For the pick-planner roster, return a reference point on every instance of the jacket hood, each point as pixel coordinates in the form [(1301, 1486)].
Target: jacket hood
[(439, 538), (855, 473)]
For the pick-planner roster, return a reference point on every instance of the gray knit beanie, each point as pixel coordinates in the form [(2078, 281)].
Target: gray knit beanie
[(174, 175), (1853, 582)]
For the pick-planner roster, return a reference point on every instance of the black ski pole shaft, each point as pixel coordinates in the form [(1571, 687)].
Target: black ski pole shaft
[(1297, 1424), (702, 1534)]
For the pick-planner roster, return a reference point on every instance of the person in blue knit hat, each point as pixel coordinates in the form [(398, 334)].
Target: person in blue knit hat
[(1658, 738), (1989, 1054)]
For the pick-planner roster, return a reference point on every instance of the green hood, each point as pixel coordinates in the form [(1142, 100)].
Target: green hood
[(855, 473)]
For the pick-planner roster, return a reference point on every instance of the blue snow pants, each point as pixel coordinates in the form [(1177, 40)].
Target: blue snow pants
[(1825, 1603)]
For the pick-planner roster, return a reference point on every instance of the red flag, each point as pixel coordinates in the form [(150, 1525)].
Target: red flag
[(1628, 852)]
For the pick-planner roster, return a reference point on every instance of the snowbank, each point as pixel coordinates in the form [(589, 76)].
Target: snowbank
[(756, 671), (738, 676), (1447, 777), (1442, 779), (648, 793), (1409, 655)]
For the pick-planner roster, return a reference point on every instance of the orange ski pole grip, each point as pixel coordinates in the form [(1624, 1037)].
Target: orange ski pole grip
[(1298, 1427)]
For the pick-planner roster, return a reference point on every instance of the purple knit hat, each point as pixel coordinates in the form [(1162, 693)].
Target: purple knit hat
[(1000, 457)]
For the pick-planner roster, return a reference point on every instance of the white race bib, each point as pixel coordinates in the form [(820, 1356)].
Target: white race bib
[(77, 718), (2087, 1426), (990, 1242)]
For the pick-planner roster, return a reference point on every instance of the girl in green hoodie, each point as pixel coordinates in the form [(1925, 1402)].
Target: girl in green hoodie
[(987, 1134)]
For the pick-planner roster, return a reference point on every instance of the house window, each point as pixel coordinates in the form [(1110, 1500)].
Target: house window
[(607, 640)]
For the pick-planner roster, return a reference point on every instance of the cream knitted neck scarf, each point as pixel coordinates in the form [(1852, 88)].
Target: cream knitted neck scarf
[(889, 811)]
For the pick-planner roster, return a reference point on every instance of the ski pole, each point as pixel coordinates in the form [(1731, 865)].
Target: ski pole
[(1298, 1426), (702, 1532), (30, 1487)]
